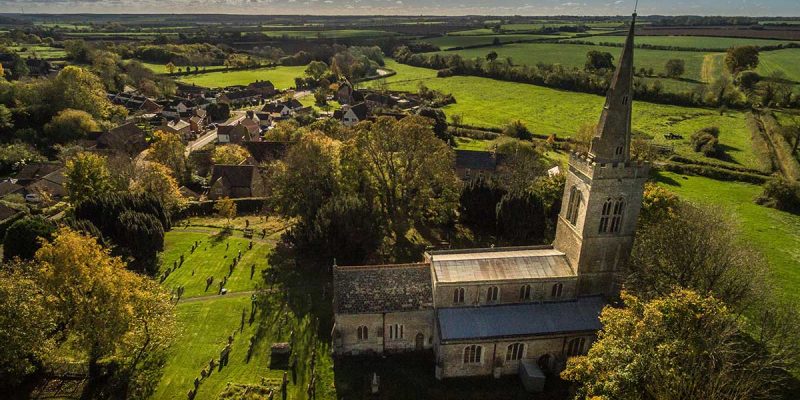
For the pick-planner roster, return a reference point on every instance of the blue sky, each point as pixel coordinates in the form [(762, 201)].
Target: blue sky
[(412, 7)]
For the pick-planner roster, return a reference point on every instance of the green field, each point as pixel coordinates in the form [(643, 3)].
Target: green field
[(450, 41), (162, 68), (776, 234), (333, 33), (786, 61), (39, 51), (206, 319), (281, 77), (575, 56), (697, 42)]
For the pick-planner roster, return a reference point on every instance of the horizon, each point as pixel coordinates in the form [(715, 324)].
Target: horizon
[(423, 8)]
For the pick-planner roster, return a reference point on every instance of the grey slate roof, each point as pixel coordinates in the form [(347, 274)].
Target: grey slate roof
[(382, 288), (498, 264), (533, 319)]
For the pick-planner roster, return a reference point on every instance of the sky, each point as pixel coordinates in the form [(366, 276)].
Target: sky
[(411, 7)]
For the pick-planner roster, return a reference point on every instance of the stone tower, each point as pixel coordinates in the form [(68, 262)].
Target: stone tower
[(603, 192)]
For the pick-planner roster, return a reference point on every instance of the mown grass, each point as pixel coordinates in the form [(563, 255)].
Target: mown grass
[(486, 102), (697, 42), (281, 77), (204, 324), (574, 55), (162, 68), (785, 61), (39, 51), (776, 234)]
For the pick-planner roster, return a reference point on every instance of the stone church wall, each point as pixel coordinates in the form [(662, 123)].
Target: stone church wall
[(378, 340)]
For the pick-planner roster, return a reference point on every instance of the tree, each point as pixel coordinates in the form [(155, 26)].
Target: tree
[(658, 204), (22, 238), (108, 312), (225, 208), (740, 58), (408, 167), (583, 138), (70, 125), (782, 194), (517, 129), (307, 177), (230, 154), (478, 204), (521, 218), (598, 60), (26, 323), (706, 140), (675, 68), (218, 112), (682, 345), (141, 236), (492, 56), (316, 70), (682, 245), (439, 120), (86, 176), (170, 68), (79, 89), (168, 149), (156, 180)]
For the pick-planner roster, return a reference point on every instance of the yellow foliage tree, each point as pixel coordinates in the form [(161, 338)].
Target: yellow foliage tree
[(156, 179), (229, 154), (86, 176), (168, 149), (226, 208)]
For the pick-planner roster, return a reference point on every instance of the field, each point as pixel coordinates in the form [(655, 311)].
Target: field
[(785, 61), (450, 41), (39, 51), (281, 77), (334, 33), (776, 234), (695, 42), (162, 68), (206, 319), (573, 55)]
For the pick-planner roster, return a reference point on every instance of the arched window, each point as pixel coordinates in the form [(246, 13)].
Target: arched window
[(616, 217), (525, 292), (396, 331), (472, 354), (605, 215), (557, 289), (515, 351), (458, 296), (363, 333), (492, 294), (574, 205), (575, 347)]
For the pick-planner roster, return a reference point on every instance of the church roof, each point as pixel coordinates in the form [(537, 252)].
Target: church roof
[(382, 288), (499, 264), (517, 320)]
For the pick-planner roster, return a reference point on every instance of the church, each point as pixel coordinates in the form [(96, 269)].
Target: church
[(483, 312)]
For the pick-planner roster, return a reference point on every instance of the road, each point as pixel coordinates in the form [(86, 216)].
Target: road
[(207, 138)]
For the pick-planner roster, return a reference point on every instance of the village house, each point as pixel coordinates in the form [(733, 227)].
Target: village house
[(235, 181), (264, 88), (49, 187), (351, 115), (135, 103), (239, 97), (126, 139), (35, 171), (178, 126), (515, 310), (281, 109), (472, 164)]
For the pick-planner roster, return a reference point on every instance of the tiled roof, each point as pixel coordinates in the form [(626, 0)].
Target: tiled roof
[(234, 175), (498, 264), (382, 288), (530, 319), (7, 187)]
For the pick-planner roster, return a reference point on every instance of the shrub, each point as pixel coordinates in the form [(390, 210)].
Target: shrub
[(518, 130), (781, 194), (706, 141)]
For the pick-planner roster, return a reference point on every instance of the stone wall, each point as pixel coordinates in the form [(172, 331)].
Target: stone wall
[(346, 339), (475, 294)]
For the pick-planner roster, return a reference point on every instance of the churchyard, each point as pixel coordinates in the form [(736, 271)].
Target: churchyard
[(208, 320)]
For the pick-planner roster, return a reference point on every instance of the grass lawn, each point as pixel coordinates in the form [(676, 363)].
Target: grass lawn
[(39, 51), (697, 42), (785, 60), (281, 77), (204, 323), (162, 68), (574, 55), (776, 234)]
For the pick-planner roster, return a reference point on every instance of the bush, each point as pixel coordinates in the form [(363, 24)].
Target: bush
[(518, 130), (478, 204), (706, 141), (781, 194), (22, 237), (521, 219)]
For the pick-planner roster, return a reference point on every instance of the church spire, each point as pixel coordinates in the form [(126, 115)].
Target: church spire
[(611, 142)]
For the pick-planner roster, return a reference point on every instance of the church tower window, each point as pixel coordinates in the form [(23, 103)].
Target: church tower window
[(616, 218), (574, 205), (605, 215)]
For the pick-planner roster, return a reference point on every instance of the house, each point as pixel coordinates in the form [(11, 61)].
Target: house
[(35, 171), (351, 115), (189, 194), (8, 188), (239, 97), (50, 185), (264, 88), (179, 127), (476, 164), (7, 213), (253, 125), (282, 108), (235, 181), (125, 139), (344, 94), (494, 311), (135, 103)]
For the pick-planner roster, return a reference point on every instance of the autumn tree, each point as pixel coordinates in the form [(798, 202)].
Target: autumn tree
[(24, 236), (170, 67), (79, 89), (409, 169), (156, 180), (225, 208), (316, 70), (583, 137), (70, 125), (85, 176), (109, 312), (682, 245), (229, 154), (682, 345), (168, 149)]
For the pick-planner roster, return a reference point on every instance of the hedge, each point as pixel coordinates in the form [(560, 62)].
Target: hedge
[(714, 172), (244, 206)]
